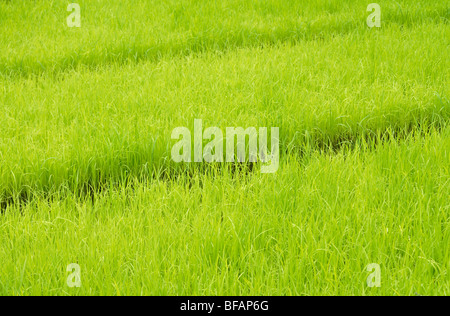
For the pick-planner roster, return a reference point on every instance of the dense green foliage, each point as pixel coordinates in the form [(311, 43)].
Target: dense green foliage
[(85, 169)]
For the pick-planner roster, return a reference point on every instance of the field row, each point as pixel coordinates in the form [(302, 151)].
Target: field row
[(310, 229), (35, 39), (91, 127)]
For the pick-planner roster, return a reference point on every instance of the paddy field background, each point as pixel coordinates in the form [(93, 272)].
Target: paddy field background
[(86, 175)]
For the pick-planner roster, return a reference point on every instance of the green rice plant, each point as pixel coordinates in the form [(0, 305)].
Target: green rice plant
[(310, 229), (86, 175)]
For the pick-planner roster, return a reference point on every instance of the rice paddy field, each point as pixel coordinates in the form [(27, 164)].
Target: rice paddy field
[(86, 174)]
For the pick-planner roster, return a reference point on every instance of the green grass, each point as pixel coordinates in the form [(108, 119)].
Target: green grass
[(35, 37), (85, 169), (312, 228)]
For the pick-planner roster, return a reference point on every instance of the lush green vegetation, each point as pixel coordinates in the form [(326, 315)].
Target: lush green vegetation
[(85, 169)]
